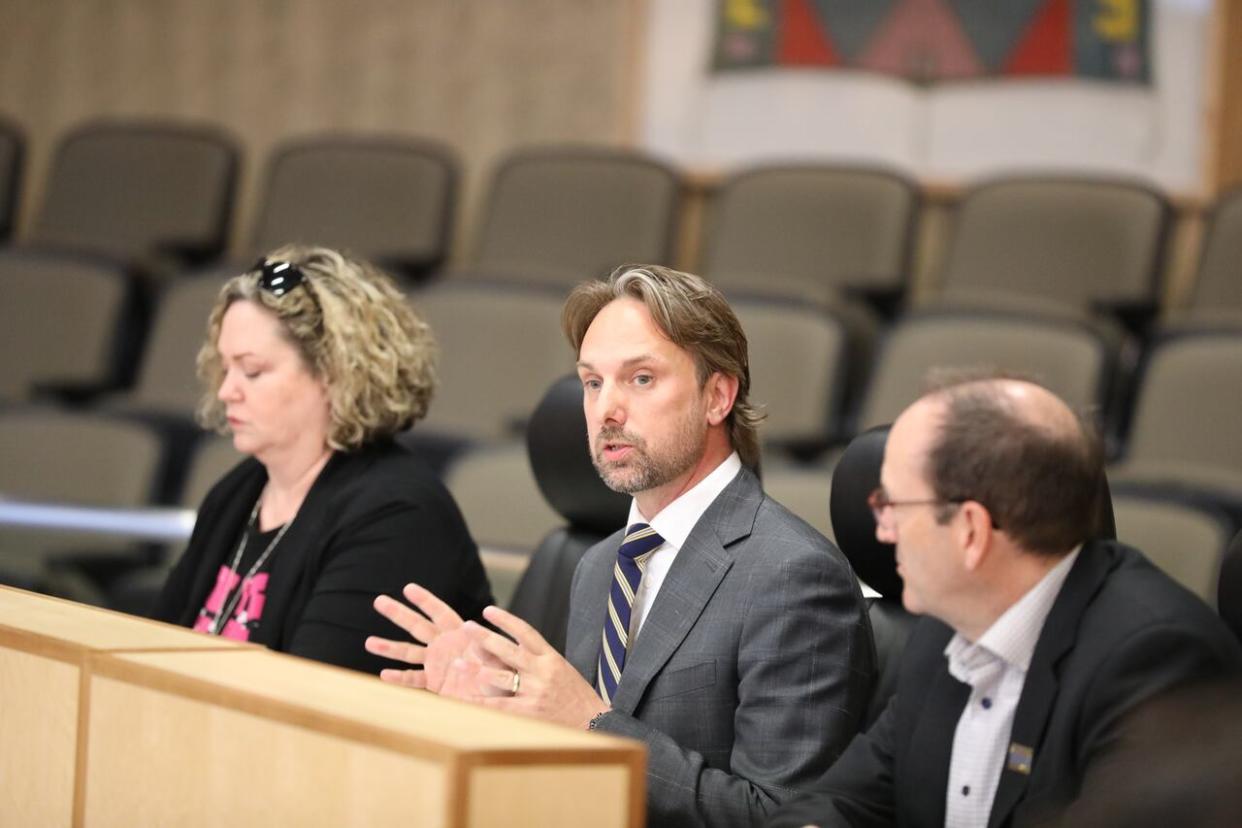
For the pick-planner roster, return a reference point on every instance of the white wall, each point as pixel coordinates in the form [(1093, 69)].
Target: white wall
[(953, 132)]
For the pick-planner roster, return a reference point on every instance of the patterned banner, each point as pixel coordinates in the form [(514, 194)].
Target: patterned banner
[(926, 41)]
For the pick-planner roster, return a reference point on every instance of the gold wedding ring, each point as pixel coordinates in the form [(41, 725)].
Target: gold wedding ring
[(517, 683)]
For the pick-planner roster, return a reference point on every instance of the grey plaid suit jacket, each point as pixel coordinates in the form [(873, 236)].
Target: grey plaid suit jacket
[(753, 667)]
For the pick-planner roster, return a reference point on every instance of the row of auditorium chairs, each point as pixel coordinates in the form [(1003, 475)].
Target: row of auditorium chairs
[(161, 195), (500, 344)]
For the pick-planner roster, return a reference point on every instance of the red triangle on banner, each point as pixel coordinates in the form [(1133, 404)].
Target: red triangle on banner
[(921, 37), (801, 40), (1045, 47)]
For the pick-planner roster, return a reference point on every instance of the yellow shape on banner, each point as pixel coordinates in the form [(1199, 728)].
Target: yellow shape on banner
[(745, 14), (1118, 20)]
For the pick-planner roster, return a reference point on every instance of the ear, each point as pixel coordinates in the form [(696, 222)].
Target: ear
[(975, 533), (721, 391)]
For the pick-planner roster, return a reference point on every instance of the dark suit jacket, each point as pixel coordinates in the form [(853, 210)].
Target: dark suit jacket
[(374, 520), (1119, 632), (753, 667)]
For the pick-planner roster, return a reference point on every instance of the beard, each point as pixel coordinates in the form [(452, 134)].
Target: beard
[(644, 468)]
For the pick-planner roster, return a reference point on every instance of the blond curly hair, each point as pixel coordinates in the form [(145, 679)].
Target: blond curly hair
[(355, 332)]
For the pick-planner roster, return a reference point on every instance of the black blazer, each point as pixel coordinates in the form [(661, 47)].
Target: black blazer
[(1119, 632), (374, 520)]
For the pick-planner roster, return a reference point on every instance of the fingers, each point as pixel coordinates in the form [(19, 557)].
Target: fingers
[(396, 650), (476, 652), (461, 681), (414, 623), (527, 636), (472, 681), (521, 632), (441, 614), (407, 678), (498, 648)]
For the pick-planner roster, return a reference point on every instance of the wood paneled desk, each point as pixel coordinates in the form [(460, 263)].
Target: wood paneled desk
[(110, 720)]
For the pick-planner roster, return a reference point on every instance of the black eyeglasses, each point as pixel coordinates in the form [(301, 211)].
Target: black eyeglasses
[(277, 277)]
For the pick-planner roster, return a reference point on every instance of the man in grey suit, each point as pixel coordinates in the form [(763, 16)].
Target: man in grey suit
[(719, 629)]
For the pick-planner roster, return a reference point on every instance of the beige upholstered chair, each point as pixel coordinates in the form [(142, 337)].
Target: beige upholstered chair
[(386, 199), (1075, 360), (1076, 244), (563, 214), (1217, 296), (48, 455), (1185, 424), (61, 315), (810, 228), (500, 347), (166, 382), (140, 189), (798, 358), (1185, 540)]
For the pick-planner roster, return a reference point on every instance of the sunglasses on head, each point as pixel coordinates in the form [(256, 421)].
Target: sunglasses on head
[(277, 277)]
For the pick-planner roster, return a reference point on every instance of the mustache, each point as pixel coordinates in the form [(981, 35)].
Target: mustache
[(616, 434)]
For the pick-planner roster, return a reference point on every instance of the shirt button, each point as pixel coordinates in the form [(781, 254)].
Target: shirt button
[(965, 790), (987, 703)]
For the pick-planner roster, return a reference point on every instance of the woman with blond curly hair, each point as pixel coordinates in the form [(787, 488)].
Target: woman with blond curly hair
[(313, 362)]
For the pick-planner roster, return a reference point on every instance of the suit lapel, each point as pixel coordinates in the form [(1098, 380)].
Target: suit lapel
[(1039, 692), (587, 618), (928, 753), (691, 581)]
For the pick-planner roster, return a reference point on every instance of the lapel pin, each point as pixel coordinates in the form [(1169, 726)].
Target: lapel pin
[(1020, 758)]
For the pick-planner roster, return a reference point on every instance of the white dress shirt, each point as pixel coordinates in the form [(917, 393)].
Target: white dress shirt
[(674, 523), (995, 667)]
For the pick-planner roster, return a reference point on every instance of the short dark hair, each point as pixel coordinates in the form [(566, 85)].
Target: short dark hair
[(696, 317), (1041, 484)]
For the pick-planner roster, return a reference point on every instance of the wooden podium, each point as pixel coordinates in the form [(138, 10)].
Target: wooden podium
[(107, 719)]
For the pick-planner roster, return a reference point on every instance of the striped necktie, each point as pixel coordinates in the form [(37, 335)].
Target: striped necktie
[(639, 544)]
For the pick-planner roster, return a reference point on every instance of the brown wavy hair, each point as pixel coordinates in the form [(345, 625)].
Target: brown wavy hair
[(355, 331)]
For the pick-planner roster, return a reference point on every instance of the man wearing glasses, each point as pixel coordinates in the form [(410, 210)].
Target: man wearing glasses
[(1038, 639)]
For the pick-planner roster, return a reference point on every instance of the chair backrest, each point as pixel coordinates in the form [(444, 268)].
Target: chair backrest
[(856, 475), (1073, 359), (802, 488), (1219, 283), (495, 489), (12, 151), (1186, 540), (561, 215), (388, 200), (136, 188), (212, 457), (166, 381), (51, 455), (556, 439), (499, 346), (1073, 242), (61, 316), (798, 359), (1185, 418), (1229, 587), (826, 225)]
